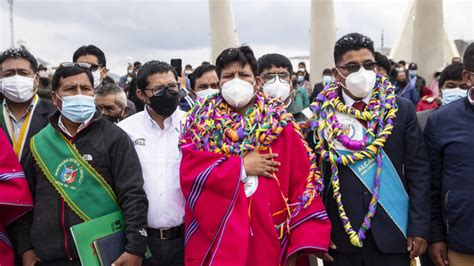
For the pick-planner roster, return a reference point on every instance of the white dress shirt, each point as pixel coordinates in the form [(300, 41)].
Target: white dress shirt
[(160, 159), (349, 101)]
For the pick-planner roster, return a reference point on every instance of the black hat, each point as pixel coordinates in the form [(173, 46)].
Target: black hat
[(412, 66)]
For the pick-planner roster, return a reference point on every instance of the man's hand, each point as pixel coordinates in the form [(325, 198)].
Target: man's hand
[(127, 259), (29, 258), (416, 246), (439, 253), (256, 164)]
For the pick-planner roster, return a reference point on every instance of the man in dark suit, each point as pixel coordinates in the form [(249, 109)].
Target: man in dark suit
[(22, 113), (386, 241)]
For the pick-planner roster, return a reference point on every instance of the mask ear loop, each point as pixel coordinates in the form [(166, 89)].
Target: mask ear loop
[(345, 78)]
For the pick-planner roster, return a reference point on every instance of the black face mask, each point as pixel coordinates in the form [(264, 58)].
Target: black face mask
[(114, 120), (165, 104)]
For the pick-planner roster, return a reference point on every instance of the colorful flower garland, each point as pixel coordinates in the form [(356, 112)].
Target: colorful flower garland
[(379, 115), (214, 126)]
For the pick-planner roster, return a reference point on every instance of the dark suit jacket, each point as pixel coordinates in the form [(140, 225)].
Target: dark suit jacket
[(406, 149)]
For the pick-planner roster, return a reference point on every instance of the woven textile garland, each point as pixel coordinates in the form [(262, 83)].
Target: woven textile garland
[(214, 126), (379, 115)]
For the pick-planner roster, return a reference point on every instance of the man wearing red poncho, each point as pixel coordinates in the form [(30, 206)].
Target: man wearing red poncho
[(250, 180)]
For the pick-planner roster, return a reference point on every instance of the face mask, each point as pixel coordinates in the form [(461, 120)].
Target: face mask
[(451, 95), (302, 69), (300, 78), (327, 79), (17, 88), (277, 89), (129, 79), (130, 71), (78, 108), (412, 73), (165, 104), (205, 93), (188, 72), (237, 92), (97, 78), (360, 83)]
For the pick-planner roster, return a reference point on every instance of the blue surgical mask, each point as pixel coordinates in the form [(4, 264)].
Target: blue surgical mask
[(300, 78), (327, 79), (451, 95), (412, 73), (78, 108)]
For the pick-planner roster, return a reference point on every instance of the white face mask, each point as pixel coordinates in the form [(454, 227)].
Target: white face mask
[(237, 92), (18, 89), (360, 83), (207, 92), (327, 79), (277, 89), (97, 78)]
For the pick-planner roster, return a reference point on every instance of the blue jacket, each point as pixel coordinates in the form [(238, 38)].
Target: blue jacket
[(408, 92), (449, 135)]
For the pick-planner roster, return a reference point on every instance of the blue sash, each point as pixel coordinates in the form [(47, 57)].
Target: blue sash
[(392, 194)]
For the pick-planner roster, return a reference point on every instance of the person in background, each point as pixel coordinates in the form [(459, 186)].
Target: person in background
[(22, 112), (448, 135), (155, 132), (413, 76), (204, 81), (453, 88), (319, 87), (112, 102), (274, 75), (405, 87), (456, 59), (383, 64), (95, 57), (302, 67), (434, 84), (125, 80), (303, 84), (44, 87), (427, 101), (402, 64)]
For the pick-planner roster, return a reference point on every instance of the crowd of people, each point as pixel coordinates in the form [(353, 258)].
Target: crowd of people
[(241, 162)]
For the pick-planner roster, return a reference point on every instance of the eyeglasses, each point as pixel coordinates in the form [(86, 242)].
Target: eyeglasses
[(160, 90), (352, 68), (272, 77), (91, 67)]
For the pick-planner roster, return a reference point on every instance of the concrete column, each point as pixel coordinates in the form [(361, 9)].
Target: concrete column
[(223, 31), (428, 36), (323, 38)]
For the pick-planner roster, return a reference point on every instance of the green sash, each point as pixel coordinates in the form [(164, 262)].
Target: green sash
[(83, 189)]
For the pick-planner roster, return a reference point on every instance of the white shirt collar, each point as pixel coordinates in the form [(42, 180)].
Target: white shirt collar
[(169, 121), (81, 127), (349, 101), (470, 95)]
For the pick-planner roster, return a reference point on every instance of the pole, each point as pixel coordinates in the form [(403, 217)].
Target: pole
[(11, 24)]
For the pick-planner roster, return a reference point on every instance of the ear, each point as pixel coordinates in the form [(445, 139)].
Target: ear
[(466, 76), (104, 73), (125, 112), (337, 75), (36, 82), (259, 82), (142, 97), (55, 99)]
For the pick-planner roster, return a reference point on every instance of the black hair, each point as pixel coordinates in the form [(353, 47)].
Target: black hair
[(198, 72), (350, 42), (151, 68), (243, 55), (90, 50), (188, 66), (382, 61), (302, 63), (64, 72), (274, 60), (20, 53), (451, 72), (137, 64), (327, 71), (402, 62), (468, 59)]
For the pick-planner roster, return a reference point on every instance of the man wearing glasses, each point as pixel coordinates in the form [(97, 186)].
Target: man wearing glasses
[(80, 167), (373, 161), (155, 133)]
